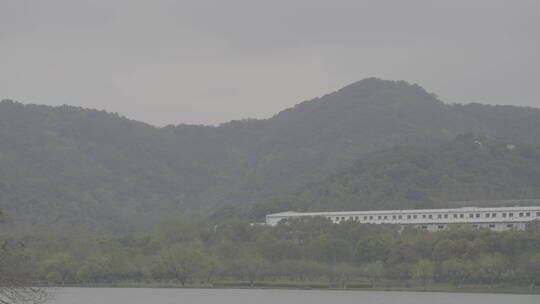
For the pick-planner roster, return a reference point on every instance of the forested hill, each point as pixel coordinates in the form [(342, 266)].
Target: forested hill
[(73, 171), (467, 168)]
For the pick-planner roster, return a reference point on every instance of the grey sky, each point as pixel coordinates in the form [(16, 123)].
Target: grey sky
[(164, 61)]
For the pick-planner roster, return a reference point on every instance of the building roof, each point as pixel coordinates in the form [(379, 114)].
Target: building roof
[(406, 211)]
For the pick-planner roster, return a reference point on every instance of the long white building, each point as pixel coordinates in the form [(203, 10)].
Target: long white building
[(496, 218)]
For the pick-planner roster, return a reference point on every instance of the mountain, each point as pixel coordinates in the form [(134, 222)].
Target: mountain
[(469, 168), (69, 171)]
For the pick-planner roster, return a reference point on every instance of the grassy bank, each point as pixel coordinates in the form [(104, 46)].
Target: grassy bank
[(508, 289)]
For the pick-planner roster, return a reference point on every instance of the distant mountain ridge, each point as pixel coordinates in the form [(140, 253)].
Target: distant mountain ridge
[(72, 171)]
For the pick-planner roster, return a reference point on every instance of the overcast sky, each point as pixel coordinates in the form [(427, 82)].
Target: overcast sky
[(170, 62)]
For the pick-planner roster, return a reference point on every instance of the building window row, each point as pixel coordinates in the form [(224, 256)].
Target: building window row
[(438, 216)]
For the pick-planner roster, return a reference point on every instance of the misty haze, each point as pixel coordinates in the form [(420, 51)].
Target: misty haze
[(270, 151)]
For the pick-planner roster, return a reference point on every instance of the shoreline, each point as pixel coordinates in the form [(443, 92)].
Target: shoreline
[(503, 289)]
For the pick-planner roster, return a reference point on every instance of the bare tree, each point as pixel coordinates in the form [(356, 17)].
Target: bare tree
[(16, 284)]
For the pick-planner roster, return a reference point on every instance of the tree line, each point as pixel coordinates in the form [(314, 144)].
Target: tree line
[(306, 250)]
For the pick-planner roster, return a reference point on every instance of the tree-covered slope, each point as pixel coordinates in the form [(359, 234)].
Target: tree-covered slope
[(467, 168), (73, 171)]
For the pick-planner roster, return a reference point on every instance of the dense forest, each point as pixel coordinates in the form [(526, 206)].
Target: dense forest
[(92, 198), (469, 168), (68, 171), (309, 253)]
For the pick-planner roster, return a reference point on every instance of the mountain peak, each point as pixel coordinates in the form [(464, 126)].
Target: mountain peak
[(67, 170), (374, 85), (370, 95)]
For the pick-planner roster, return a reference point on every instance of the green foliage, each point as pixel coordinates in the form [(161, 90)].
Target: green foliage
[(424, 270), (372, 248), (345, 273), (467, 168), (491, 267), (58, 268), (373, 271), (457, 270), (68, 171), (311, 250), (329, 250), (528, 269), (176, 230), (94, 269), (181, 262)]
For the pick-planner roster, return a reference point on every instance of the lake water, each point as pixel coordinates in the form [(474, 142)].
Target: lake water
[(257, 296)]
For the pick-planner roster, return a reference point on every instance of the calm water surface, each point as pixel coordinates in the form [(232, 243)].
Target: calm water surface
[(244, 296)]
